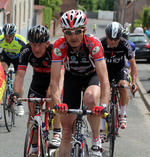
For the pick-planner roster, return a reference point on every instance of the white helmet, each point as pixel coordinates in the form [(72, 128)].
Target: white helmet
[(73, 19)]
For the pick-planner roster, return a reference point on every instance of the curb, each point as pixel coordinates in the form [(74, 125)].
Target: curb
[(145, 96)]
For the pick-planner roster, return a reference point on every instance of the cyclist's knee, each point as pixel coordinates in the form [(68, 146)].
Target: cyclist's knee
[(89, 100)]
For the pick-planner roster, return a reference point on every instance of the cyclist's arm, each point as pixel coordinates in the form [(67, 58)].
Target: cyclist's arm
[(18, 82), (102, 73), (55, 82)]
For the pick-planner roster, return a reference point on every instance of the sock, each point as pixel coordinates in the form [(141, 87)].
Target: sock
[(123, 110), (96, 141), (57, 131), (103, 124)]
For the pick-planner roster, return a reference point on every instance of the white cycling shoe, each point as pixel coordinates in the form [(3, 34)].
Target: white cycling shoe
[(96, 151), (20, 110)]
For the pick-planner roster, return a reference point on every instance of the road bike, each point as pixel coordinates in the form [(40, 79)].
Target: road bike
[(113, 118), (8, 107), (35, 130), (79, 140)]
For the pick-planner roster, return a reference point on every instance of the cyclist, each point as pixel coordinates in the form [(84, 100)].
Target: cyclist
[(125, 35), (116, 50), (85, 67), (12, 44), (2, 84), (38, 54)]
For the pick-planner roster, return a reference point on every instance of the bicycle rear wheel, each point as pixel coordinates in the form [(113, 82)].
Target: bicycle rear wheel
[(113, 131), (34, 129), (9, 115)]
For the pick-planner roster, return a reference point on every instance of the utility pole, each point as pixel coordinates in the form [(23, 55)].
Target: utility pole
[(133, 11), (124, 11), (116, 10)]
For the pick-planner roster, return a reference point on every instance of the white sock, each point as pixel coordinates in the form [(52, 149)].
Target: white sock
[(103, 124), (123, 110), (96, 141)]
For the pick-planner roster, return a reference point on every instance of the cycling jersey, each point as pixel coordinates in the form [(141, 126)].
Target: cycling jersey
[(41, 66), (12, 49), (82, 62), (2, 82), (116, 57)]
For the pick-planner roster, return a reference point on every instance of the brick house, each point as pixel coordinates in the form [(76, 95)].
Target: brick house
[(125, 14)]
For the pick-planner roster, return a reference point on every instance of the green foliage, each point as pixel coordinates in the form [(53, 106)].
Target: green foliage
[(145, 17), (81, 7), (53, 4), (47, 16), (137, 22), (93, 5)]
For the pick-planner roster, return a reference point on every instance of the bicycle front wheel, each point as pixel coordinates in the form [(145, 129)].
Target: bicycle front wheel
[(113, 131), (77, 151), (34, 134), (9, 115)]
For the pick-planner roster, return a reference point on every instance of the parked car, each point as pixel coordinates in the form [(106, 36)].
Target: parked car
[(142, 45)]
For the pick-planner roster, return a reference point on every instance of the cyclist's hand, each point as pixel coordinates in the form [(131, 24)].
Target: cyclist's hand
[(133, 88), (62, 108), (98, 110), (13, 97)]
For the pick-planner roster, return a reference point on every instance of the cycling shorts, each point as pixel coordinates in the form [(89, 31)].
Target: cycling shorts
[(39, 86), (8, 61), (73, 85), (2, 82), (123, 74)]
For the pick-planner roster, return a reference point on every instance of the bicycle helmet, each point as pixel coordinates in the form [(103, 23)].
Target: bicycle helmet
[(9, 29), (38, 34), (73, 19), (125, 34), (114, 30)]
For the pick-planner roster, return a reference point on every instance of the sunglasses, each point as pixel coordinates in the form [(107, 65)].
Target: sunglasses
[(116, 39), (76, 32), (8, 35)]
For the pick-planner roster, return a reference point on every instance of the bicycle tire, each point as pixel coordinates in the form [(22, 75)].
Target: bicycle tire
[(86, 150), (113, 131), (33, 127), (9, 115)]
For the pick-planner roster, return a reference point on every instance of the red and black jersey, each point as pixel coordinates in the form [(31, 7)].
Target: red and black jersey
[(41, 66), (82, 62)]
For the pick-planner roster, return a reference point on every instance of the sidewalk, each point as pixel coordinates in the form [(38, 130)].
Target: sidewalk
[(145, 96)]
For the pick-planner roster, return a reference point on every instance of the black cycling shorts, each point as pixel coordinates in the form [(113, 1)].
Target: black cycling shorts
[(8, 61), (123, 74), (73, 85), (39, 86)]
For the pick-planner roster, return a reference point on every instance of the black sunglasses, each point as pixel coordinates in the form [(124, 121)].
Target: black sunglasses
[(8, 35), (115, 39), (76, 32)]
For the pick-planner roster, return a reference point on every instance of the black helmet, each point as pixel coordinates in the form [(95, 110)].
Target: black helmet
[(125, 34), (38, 34), (114, 30), (9, 29)]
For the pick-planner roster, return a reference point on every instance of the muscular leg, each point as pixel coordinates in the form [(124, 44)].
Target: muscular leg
[(5, 66), (91, 97), (65, 147), (123, 93)]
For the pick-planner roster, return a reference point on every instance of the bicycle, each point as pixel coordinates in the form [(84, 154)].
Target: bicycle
[(8, 108), (79, 142), (113, 118), (35, 127)]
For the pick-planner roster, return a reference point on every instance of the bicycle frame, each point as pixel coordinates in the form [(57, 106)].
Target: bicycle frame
[(35, 124)]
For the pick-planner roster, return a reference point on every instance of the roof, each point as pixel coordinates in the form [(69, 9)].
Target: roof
[(38, 7), (3, 4)]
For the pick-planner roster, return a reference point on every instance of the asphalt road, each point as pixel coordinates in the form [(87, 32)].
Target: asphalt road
[(132, 142)]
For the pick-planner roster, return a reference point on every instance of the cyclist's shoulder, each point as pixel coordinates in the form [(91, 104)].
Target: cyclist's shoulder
[(1, 38), (60, 43), (20, 38)]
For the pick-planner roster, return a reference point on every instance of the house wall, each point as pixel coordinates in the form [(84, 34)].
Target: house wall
[(22, 15)]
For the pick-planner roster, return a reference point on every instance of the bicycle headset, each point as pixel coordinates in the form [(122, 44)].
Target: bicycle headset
[(9, 29), (38, 34), (73, 19), (114, 30)]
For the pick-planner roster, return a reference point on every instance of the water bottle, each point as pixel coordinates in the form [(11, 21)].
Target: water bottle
[(44, 130)]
